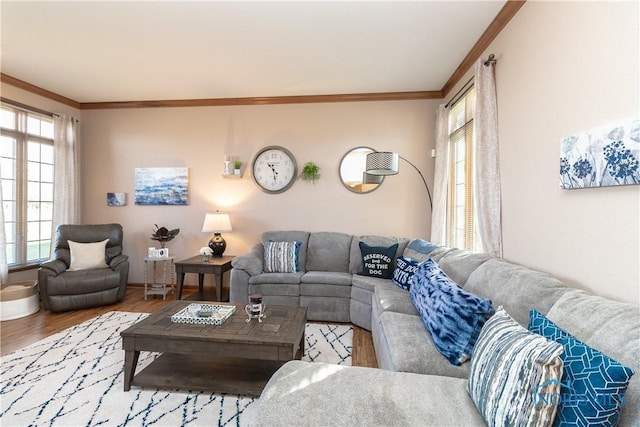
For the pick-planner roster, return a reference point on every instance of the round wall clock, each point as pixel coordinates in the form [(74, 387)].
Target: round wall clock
[(274, 169)]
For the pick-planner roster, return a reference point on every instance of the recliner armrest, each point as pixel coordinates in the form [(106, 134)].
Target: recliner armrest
[(252, 262), (117, 260), (57, 266)]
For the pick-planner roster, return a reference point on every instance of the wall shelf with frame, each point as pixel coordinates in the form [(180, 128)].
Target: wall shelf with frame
[(232, 176)]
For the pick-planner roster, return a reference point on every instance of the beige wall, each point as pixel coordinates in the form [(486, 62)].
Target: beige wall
[(115, 142), (566, 67)]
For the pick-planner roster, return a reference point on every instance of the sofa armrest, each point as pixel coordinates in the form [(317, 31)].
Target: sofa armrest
[(54, 267), (252, 261)]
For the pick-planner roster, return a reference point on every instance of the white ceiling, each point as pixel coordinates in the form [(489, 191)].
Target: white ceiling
[(93, 51)]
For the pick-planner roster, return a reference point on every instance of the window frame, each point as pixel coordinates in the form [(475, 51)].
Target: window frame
[(462, 228), (24, 135)]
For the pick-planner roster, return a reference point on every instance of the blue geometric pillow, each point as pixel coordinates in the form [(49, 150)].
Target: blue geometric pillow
[(281, 257), (593, 384), (453, 316), (405, 269), (377, 261)]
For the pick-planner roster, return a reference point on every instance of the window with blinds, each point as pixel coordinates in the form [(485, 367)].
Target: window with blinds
[(461, 222), (26, 176)]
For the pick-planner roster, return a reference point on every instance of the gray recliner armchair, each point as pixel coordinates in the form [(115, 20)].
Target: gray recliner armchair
[(62, 289)]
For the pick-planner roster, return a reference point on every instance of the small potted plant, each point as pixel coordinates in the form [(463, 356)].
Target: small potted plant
[(310, 172), (236, 167), (164, 235)]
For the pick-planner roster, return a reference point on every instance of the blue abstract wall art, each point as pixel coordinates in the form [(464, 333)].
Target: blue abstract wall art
[(116, 199), (162, 186), (604, 156)]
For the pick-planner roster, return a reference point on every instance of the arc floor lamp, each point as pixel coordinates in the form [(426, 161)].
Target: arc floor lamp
[(386, 163)]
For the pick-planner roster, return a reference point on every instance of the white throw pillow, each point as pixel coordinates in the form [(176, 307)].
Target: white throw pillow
[(88, 255)]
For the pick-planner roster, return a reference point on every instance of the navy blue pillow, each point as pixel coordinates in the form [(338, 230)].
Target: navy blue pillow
[(405, 269), (592, 386), (453, 316), (377, 261)]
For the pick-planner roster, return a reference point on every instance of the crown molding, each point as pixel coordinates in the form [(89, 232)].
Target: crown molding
[(507, 12), (503, 17), (5, 78), (268, 100)]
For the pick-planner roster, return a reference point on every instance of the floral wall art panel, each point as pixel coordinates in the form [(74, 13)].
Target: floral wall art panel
[(161, 186), (604, 156)]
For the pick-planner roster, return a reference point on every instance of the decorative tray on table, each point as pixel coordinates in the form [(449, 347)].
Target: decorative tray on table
[(204, 314)]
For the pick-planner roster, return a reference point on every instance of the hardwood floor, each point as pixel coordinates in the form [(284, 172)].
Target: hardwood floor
[(19, 333)]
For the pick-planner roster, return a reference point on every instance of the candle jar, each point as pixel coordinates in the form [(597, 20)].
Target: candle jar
[(255, 308)]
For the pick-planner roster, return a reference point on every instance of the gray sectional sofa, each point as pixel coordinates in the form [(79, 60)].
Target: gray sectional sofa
[(415, 384)]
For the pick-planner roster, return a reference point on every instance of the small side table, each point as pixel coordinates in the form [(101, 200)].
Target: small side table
[(158, 285), (216, 266)]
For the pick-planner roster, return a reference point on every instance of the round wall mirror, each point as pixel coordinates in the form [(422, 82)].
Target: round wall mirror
[(352, 171)]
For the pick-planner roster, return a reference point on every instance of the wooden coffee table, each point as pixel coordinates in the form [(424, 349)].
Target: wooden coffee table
[(237, 357)]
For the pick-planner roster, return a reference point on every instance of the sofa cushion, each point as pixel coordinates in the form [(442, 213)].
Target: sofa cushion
[(509, 368), (328, 252), (281, 257), (452, 315), (327, 277), (86, 256), (516, 288), (268, 278), (378, 261), (593, 384), (612, 327), (317, 394), (355, 257), (394, 299), (290, 236), (405, 269), (403, 344), (325, 290)]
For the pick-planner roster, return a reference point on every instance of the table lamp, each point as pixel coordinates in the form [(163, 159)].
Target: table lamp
[(217, 223)]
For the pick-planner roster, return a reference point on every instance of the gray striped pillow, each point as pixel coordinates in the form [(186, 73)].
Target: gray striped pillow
[(514, 378), (281, 257)]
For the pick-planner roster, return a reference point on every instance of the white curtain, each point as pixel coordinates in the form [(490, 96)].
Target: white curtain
[(487, 161), (439, 211), (3, 242), (66, 197)]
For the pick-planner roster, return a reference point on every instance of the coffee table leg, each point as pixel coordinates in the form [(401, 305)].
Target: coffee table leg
[(130, 362)]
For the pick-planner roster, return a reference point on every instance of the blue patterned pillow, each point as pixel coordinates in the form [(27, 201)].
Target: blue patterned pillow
[(593, 384), (511, 371), (405, 269), (281, 257), (377, 261), (453, 316)]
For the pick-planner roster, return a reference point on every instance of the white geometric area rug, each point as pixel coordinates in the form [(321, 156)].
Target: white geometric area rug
[(75, 378)]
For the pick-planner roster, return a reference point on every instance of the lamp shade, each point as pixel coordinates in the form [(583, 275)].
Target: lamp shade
[(382, 163), (216, 223)]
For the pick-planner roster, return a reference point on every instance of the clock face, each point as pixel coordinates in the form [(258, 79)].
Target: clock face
[(274, 169)]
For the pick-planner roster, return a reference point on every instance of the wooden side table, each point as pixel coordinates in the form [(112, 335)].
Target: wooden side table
[(216, 266), (158, 285)]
